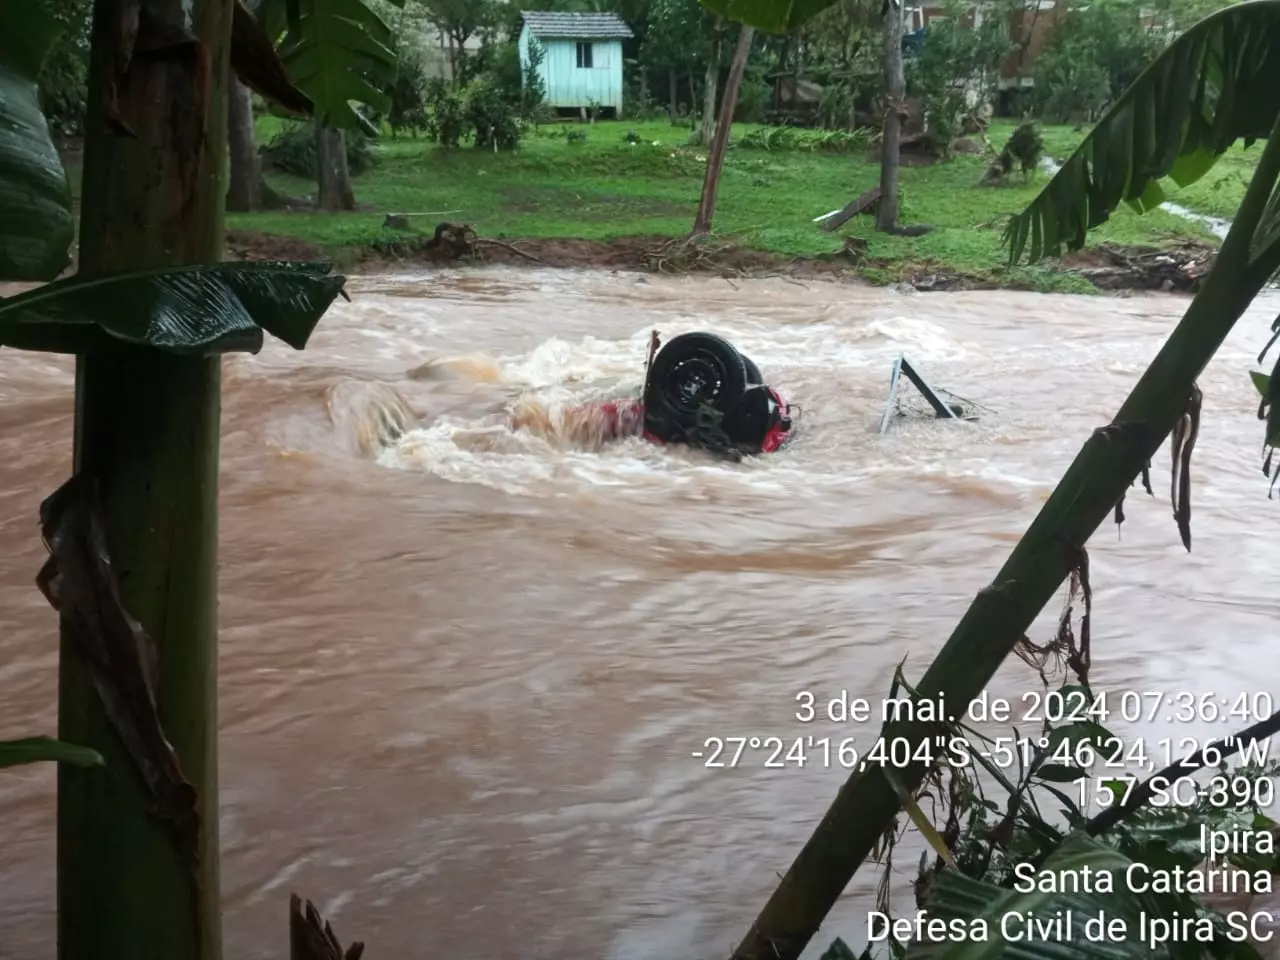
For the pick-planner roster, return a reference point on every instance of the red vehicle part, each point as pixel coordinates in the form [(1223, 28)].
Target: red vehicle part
[(625, 418)]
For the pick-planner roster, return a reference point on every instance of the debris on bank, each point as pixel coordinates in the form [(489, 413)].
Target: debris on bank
[(1174, 269), (1109, 267)]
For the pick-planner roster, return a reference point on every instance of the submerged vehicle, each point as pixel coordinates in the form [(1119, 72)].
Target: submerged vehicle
[(700, 390)]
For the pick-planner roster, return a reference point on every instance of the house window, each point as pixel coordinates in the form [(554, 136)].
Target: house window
[(584, 56)]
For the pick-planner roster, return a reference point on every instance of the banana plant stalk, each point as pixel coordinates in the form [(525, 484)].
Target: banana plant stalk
[(146, 427), (1096, 481)]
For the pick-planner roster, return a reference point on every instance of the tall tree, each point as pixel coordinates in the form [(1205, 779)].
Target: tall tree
[(458, 21), (710, 81), (894, 108), (715, 157), (678, 40), (247, 188)]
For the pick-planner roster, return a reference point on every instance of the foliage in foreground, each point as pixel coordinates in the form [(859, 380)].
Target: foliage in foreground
[(1216, 84)]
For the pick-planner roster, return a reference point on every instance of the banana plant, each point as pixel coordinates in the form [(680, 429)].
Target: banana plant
[(1216, 84), (337, 52), (148, 317), (1060, 919)]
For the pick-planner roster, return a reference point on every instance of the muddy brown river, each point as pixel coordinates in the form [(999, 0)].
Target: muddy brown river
[(463, 676)]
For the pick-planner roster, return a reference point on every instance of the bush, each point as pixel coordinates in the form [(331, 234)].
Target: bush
[(447, 121), (753, 99), (1091, 56), (835, 106), (955, 73), (495, 124), (293, 150), (1024, 151), (65, 74), (492, 109), (408, 97)]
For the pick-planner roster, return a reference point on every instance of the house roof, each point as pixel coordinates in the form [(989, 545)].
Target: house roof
[(577, 26)]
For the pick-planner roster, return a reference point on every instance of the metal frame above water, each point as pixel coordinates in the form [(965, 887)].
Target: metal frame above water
[(901, 367)]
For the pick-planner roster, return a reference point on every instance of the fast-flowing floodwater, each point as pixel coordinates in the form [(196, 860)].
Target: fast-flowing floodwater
[(462, 677)]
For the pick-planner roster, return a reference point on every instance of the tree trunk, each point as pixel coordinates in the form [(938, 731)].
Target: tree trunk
[(334, 185), (1003, 612), (715, 157), (146, 428), (673, 93), (707, 126), (895, 95), (244, 186)]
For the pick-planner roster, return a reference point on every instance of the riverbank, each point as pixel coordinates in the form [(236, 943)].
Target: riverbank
[(622, 197), (1175, 268)]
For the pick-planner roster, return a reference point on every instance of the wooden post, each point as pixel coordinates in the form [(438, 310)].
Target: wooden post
[(720, 143)]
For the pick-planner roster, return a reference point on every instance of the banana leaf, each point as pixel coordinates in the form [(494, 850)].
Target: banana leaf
[(14, 753), (336, 52), (36, 227), (196, 311), (1214, 85), (955, 897)]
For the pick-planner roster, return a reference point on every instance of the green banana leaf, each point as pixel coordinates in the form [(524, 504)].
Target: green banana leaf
[(15, 753), (1214, 85), (769, 16), (955, 897), (336, 52), (199, 310), (36, 227)]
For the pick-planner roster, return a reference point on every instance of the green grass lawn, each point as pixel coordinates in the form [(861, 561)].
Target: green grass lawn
[(605, 188)]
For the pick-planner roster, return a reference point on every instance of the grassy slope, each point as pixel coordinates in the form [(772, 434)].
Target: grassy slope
[(605, 188)]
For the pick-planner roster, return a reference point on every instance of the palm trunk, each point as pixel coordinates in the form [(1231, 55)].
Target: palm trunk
[(707, 125), (715, 158), (673, 95), (895, 93), (335, 192), (1002, 613), (147, 430)]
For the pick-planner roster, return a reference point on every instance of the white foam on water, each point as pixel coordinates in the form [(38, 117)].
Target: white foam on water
[(539, 447)]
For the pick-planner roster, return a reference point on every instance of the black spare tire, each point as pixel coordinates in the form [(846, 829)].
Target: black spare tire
[(753, 372), (691, 371)]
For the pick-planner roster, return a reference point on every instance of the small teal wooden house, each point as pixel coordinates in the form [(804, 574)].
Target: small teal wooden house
[(582, 61)]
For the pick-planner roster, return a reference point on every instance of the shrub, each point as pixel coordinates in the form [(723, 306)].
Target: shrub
[(835, 106), (1091, 56), (753, 99), (408, 97), (65, 74), (955, 73), (494, 121), (1023, 151), (446, 121), (293, 150)]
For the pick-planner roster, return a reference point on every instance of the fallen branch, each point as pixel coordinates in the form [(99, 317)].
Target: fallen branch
[(508, 246), (695, 253)]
